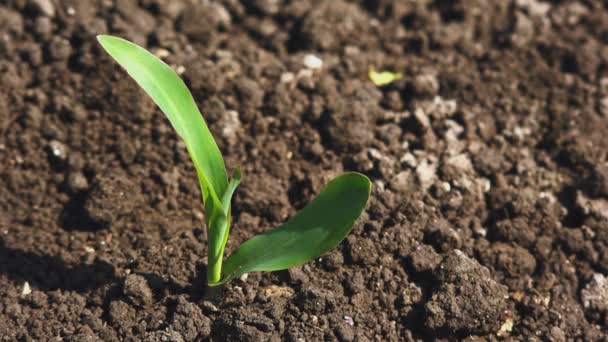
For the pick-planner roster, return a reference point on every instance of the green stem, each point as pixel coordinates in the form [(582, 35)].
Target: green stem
[(214, 272), (217, 237)]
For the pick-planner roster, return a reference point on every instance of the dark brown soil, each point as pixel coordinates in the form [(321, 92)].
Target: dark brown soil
[(489, 214)]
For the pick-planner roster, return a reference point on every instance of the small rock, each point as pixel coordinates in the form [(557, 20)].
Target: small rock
[(58, 151), (313, 62), (595, 295), (426, 172), (231, 125), (26, 289), (77, 182), (44, 7)]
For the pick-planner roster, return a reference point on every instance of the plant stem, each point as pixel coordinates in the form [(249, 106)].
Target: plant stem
[(217, 238), (214, 271)]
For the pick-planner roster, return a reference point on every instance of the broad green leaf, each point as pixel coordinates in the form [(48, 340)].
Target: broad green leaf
[(383, 77), (172, 96), (316, 229)]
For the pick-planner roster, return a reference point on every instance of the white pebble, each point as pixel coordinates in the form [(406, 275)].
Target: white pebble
[(26, 289), (313, 62)]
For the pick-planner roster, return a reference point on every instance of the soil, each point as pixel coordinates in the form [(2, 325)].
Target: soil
[(489, 213)]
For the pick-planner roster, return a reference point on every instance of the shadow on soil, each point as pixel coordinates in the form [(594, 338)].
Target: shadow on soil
[(46, 272)]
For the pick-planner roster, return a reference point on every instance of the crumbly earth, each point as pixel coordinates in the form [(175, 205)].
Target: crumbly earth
[(489, 212)]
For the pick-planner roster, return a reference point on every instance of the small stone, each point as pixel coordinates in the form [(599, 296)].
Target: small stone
[(426, 173), (26, 289), (231, 125), (137, 290), (77, 182), (58, 151), (313, 62), (44, 7)]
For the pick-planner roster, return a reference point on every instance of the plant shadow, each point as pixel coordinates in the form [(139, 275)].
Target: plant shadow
[(47, 273), (74, 217)]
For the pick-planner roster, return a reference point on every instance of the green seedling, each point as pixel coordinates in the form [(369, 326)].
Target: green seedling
[(382, 78), (313, 231)]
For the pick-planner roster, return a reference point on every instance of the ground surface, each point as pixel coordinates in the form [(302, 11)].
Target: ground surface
[(489, 214)]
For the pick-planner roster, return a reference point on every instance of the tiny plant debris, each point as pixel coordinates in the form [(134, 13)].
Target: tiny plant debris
[(383, 78), (313, 231)]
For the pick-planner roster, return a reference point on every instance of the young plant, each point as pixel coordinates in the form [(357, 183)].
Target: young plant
[(316, 229)]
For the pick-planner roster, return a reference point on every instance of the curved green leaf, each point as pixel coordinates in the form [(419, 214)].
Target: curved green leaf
[(316, 229), (172, 96)]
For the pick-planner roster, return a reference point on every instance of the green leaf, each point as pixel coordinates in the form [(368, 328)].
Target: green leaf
[(172, 96), (383, 77), (316, 229)]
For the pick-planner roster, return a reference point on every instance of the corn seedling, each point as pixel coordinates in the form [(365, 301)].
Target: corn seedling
[(319, 227)]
